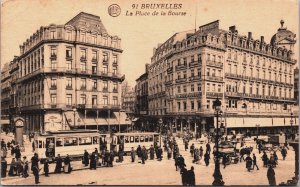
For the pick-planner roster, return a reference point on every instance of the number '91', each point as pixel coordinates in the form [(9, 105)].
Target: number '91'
[(135, 6)]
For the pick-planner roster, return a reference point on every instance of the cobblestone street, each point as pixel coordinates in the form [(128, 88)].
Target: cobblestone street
[(156, 172)]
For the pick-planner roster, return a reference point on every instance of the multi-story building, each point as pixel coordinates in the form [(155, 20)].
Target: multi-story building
[(253, 79), (141, 90), (5, 96), (296, 84), (141, 105), (67, 76), (128, 100)]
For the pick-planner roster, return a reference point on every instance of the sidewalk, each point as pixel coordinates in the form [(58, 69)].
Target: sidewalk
[(27, 147), (76, 165)]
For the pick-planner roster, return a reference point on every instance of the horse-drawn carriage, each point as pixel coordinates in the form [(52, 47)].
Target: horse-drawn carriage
[(227, 150), (272, 142)]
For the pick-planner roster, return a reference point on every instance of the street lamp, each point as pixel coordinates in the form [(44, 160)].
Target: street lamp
[(203, 122), (74, 110), (218, 179), (291, 121), (257, 125)]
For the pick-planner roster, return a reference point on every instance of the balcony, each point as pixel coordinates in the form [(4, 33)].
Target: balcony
[(94, 89), (182, 80), (69, 58), (53, 87), (214, 64), (234, 76), (231, 94), (214, 94), (115, 63), (194, 64), (170, 70), (168, 83), (83, 71), (52, 57), (105, 62), (53, 106), (81, 105), (197, 78), (212, 78), (94, 60), (115, 90), (105, 90), (180, 67), (83, 59), (104, 73)]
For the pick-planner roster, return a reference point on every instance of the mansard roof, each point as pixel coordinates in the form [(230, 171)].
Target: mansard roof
[(283, 34), (87, 22)]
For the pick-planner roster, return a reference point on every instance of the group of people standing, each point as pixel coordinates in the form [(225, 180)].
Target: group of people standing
[(197, 154), (93, 159)]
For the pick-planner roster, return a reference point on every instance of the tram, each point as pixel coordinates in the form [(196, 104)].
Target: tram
[(74, 142), (129, 140)]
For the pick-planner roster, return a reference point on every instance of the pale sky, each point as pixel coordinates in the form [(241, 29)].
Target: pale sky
[(139, 34)]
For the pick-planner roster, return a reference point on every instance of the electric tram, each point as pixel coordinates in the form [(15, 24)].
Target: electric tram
[(74, 142)]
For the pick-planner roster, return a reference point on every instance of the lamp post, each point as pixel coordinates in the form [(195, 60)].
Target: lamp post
[(218, 179), (74, 111), (257, 125), (291, 121), (119, 123), (203, 122), (160, 121)]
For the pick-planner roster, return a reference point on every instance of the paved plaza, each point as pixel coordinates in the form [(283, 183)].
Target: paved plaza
[(163, 172)]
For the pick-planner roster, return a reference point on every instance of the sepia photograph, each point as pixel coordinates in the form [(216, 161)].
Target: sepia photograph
[(149, 92)]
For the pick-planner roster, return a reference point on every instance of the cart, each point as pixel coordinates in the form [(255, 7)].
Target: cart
[(227, 148)]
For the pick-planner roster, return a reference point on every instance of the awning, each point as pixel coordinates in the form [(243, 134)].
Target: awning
[(101, 121), (112, 121), (69, 115), (4, 122), (81, 120), (122, 118)]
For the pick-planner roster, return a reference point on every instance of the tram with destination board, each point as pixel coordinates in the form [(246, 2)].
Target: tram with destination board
[(74, 142), (129, 140)]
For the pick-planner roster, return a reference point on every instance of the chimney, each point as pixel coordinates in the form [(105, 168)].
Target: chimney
[(154, 50), (262, 38), (147, 67), (232, 28), (249, 35)]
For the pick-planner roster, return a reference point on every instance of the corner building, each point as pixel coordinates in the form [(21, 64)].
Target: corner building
[(253, 80), (69, 77)]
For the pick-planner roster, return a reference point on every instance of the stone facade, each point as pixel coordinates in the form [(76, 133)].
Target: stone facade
[(69, 72), (254, 80)]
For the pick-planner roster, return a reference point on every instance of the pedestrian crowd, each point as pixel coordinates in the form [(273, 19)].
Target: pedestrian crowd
[(106, 158)]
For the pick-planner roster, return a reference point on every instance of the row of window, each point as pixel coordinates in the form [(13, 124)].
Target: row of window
[(83, 54), (83, 83), (265, 90), (271, 75), (257, 59), (75, 141), (32, 62), (83, 99)]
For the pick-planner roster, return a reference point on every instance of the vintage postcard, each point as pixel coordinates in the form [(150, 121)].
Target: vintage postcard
[(150, 92)]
